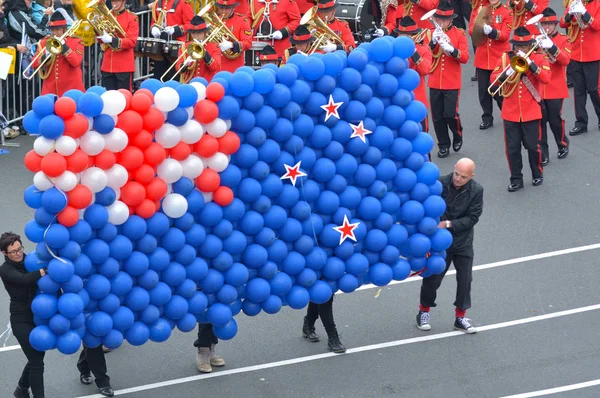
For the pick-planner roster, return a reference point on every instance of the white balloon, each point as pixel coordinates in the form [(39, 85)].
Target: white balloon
[(207, 196), (114, 102), (191, 132), (169, 170), (166, 99), (116, 140), (42, 182), (217, 128), (115, 119), (118, 213), (94, 178), (92, 143), (169, 189), (190, 111), (66, 182), (218, 162), (117, 192), (90, 123), (167, 135), (201, 89), (174, 205), (66, 145), (43, 146), (117, 176), (228, 124), (192, 167)]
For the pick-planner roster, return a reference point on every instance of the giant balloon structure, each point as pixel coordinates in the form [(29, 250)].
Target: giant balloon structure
[(186, 203)]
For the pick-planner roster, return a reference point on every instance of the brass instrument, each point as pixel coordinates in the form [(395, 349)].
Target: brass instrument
[(322, 32), (54, 47), (573, 31), (102, 20), (483, 17), (219, 31), (443, 37), (536, 21)]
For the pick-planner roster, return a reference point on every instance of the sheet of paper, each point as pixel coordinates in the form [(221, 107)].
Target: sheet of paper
[(5, 61)]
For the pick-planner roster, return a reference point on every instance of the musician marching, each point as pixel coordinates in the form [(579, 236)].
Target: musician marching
[(326, 11), (583, 23), (493, 36), (268, 55), (450, 49), (385, 11), (558, 49), (274, 21), (239, 25), (416, 9), (209, 64), (524, 10), (521, 109), (301, 43)]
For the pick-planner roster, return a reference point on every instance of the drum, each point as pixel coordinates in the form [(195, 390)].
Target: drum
[(251, 56), (139, 47), (356, 13), (154, 48), (172, 49)]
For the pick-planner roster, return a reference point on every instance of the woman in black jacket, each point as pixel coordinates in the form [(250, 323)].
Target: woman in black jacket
[(21, 287)]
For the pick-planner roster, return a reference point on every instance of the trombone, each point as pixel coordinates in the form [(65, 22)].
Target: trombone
[(325, 34)]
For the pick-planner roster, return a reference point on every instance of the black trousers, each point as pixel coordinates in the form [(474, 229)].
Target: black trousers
[(33, 372), (552, 115), (206, 336), (160, 67), (444, 113), (528, 134), (485, 99), (585, 82), (462, 8), (92, 360), (325, 311), (464, 275), (115, 81)]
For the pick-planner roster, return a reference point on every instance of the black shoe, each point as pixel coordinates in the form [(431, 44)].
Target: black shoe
[(423, 321), (107, 391), (545, 160), (443, 153), (456, 145), (464, 325), (308, 331), (85, 379), (563, 152), (578, 130), (22, 392), (474, 78), (515, 187), (485, 125), (569, 84), (335, 345), (536, 182)]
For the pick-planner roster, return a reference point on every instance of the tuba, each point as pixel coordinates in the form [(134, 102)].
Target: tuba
[(219, 31), (321, 31), (102, 20)]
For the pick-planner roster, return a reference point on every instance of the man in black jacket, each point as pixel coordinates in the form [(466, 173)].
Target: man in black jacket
[(464, 204)]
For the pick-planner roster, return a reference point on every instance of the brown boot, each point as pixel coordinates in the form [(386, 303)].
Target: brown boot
[(203, 360), (215, 360)]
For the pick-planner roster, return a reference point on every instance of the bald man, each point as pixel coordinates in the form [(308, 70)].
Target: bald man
[(464, 204)]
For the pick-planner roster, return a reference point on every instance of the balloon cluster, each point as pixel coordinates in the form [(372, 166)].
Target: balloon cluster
[(186, 203)]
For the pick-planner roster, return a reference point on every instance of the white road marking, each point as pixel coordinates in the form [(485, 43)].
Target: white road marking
[(350, 351), (556, 390), (10, 348)]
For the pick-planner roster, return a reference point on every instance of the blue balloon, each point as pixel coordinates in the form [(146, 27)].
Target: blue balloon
[(73, 285), (43, 106), (419, 244), (358, 60), (312, 68), (96, 215), (264, 81), (109, 304), (369, 208), (212, 282), (219, 315), (47, 285), (300, 91), (243, 122), (123, 318), (376, 240), (404, 47), (42, 338), (44, 306), (226, 332), (387, 85), (416, 111), (61, 270), (279, 96), (80, 232), (90, 104), (188, 96), (320, 292), (99, 287), (177, 117), (369, 75), (428, 174), (380, 274), (333, 64), (395, 66), (104, 123), (441, 240), (241, 84), (113, 340), (138, 334), (54, 201), (381, 50), (31, 122), (109, 268)]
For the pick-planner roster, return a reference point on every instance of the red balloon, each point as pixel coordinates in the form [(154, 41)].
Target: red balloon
[(144, 175), (105, 159), (80, 197), (141, 140), (76, 126), (156, 190), (208, 181), (153, 119), (206, 111), (157, 205), (78, 161), (207, 146), (130, 122), (128, 96), (180, 151), (54, 164), (223, 196), (154, 154), (215, 92), (32, 161), (141, 103), (229, 143), (133, 193), (68, 217), (131, 158), (65, 107), (146, 209), (146, 92)]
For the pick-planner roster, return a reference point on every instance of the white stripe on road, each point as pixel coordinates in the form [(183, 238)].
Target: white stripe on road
[(556, 390), (10, 348), (372, 347)]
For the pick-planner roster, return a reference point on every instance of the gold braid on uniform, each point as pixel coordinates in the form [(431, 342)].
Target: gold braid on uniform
[(512, 82), (519, 13)]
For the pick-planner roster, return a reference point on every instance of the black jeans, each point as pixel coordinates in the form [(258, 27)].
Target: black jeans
[(92, 360), (325, 311), (485, 99), (464, 275), (552, 115), (444, 113), (529, 134), (33, 373), (585, 81), (115, 81), (206, 336)]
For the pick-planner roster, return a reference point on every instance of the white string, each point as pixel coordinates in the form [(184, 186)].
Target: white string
[(8, 333)]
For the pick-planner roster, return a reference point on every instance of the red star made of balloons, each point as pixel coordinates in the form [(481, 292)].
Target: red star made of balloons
[(347, 230)]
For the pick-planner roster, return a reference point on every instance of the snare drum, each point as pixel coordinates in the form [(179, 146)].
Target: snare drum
[(154, 48), (139, 47), (252, 55), (172, 49), (356, 13)]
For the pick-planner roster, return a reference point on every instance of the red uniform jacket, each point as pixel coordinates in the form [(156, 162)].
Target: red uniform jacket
[(242, 8), (446, 70), (416, 10), (389, 24), (421, 62), (561, 52), (65, 73), (497, 42), (587, 41), (179, 14), (239, 25), (521, 106), (522, 13), (118, 55), (342, 29), (200, 68), (305, 5), (284, 16), (475, 4)]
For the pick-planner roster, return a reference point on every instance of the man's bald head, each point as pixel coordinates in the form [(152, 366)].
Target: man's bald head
[(464, 171)]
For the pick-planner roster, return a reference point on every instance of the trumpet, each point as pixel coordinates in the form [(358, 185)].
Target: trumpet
[(440, 32), (102, 20), (321, 30), (582, 25), (536, 21), (195, 50), (221, 31)]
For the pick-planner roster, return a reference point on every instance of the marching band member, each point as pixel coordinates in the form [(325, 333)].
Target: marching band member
[(416, 9), (210, 64), (239, 25), (498, 33), (558, 50), (268, 55), (305, 5), (118, 62), (450, 50), (64, 72), (521, 108), (326, 11), (385, 12), (523, 10), (301, 40), (284, 16), (583, 23)]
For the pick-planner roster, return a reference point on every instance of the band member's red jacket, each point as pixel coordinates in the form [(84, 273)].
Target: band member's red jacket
[(201, 68), (342, 29), (421, 62), (586, 41), (497, 42), (179, 14), (239, 25), (446, 70), (521, 106), (415, 9), (65, 71), (305, 5), (284, 16), (559, 57), (522, 12), (389, 24), (118, 55)]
